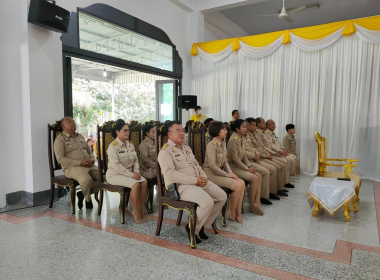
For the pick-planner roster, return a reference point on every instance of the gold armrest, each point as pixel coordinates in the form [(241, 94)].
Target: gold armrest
[(347, 167), (342, 159)]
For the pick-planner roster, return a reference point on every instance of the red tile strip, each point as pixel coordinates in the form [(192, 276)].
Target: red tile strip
[(342, 252), (200, 253)]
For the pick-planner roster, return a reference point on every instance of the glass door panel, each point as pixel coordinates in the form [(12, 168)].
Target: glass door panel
[(166, 94)]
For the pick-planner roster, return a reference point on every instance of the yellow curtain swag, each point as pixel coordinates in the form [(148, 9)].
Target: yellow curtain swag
[(309, 33)]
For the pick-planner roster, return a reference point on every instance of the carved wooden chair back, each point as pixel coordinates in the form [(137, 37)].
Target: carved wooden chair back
[(197, 141)]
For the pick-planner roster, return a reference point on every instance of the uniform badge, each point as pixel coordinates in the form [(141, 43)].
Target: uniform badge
[(188, 152), (114, 143), (164, 146)]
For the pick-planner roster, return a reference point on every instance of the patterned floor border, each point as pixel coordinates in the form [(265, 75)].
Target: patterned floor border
[(342, 252)]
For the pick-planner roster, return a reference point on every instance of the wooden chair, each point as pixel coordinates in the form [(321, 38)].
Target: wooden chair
[(53, 131), (190, 207), (136, 136), (323, 163), (151, 182), (197, 143), (106, 132)]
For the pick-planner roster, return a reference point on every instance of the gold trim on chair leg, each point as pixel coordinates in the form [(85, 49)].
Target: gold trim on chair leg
[(214, 227), (73, 198), (347, 211), (355, 204), (316, 208), (192, 225)]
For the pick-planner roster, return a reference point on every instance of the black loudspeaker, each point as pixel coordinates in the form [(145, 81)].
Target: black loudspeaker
[(49, 15), (187, 102)]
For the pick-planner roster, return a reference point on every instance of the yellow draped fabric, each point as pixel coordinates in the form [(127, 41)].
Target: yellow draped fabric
[(308, 33)]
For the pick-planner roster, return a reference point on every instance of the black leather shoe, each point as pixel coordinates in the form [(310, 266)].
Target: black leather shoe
[(202, 234), (80, 199), (197, 240), (272, 196), (265, 201), (282, 193), (289, 186), (285, 190), (89, 205)]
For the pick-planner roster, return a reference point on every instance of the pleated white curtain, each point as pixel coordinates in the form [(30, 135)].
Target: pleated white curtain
[(334, 90)]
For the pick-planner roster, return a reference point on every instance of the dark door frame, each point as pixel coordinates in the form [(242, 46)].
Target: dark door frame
[(70, 48)]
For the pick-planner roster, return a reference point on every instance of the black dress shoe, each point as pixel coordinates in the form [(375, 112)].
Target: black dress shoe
[(89, 205), (289, 186), (282, 193), (80, 199), (202, 234), (285, 190), (272, 196), (197, 240), (265, 201)]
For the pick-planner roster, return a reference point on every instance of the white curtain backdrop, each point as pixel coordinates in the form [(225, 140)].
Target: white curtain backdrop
[(333, 88)]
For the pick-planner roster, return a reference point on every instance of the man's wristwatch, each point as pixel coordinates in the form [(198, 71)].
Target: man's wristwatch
[(226, 174)]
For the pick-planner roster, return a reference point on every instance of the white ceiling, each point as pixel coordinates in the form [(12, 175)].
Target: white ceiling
[(247, 17)]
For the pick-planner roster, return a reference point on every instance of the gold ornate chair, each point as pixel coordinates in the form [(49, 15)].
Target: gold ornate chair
[(53, 131), (323, 162)]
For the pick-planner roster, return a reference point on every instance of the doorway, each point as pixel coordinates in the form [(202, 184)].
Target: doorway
[(102, 92)]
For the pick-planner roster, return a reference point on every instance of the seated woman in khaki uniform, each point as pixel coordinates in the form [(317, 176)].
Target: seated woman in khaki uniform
[(219, 172), (208, 137), (123, 167), (148, 153), (241, 166)]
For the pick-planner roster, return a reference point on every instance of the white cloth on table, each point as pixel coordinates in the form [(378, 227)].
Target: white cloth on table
[(331, 193)]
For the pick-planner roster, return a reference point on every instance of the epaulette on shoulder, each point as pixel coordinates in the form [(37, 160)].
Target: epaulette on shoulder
[(144, 140), (114, 143), (236, 137), (164, 146), (214, 142), (59, 135), (131, 142)]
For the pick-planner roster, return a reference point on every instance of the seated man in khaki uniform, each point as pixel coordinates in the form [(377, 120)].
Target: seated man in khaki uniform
[(265, 156), (264, 139), (178, 165), (289, 140), (271, 126), (235, 115), (77, 161)]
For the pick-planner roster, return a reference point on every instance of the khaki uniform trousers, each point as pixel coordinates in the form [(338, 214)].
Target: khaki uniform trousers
[(269, 178), (293, 171), (287, 162), (85, 176), (281, 172), (210, 200)]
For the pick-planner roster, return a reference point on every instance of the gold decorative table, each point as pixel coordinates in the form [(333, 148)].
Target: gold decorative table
[(332, 194)]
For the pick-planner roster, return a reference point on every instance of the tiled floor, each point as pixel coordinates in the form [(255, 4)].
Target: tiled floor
[(286, 243)]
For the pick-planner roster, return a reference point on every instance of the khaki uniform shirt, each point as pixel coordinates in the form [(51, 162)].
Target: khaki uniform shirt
[(122, 158), (71, 150), (290, 143), (178, 164), (216, 158), (250, 152), (147, 154), (275, 143), (258, 145), (235, 152), (208, 138), (264, 139)]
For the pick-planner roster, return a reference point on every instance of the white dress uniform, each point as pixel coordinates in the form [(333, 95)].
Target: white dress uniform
[(122, 164)]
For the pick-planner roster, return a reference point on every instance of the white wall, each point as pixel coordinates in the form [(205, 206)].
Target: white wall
[(32, 83), (15, 133)]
